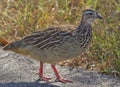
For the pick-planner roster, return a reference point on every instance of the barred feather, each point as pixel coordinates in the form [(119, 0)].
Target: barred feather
[(47, 38)]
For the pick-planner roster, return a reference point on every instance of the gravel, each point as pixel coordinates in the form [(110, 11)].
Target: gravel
[(19, 71)]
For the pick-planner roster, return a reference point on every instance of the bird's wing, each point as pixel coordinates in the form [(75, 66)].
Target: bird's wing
[(50, 37)]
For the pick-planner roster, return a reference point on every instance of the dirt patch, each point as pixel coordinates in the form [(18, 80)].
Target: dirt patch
[(19, 71)]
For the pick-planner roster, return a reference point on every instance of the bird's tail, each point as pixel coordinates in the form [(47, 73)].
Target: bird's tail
[(13, 45), (3, 42)]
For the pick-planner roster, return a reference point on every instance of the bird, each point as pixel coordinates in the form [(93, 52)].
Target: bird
[(56, 43)]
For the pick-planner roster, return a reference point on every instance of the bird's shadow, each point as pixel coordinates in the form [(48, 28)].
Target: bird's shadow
[(27, 84)]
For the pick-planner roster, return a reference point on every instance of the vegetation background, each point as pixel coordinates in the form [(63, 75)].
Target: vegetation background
[(19, 18)]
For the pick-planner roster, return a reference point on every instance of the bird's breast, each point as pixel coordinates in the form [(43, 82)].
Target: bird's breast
[(69, 49)]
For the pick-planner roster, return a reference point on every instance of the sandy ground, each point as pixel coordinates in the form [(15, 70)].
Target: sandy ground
[(19, 71)]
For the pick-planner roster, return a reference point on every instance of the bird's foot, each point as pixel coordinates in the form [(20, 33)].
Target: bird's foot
[(63, 80), (44, 79)]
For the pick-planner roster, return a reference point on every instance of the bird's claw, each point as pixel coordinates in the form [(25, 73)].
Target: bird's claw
[(63, 80), (44, 79)]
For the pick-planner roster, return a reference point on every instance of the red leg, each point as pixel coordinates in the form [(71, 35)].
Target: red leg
[(41, 73), (58, 76)]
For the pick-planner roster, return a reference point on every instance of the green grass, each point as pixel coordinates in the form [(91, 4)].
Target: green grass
[(19, 18)]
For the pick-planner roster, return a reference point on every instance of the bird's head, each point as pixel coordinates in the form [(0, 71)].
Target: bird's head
[(90, 15)]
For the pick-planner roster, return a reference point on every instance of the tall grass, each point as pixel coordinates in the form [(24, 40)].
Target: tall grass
[(19, 18)]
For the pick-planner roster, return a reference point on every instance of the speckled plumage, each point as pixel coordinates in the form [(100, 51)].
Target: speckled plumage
[(54, 44)]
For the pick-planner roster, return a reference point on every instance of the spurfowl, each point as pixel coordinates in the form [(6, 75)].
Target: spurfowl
[(55, 44)]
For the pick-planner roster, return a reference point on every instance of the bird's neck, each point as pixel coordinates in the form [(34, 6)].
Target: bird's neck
[(83, 26), (83, 29)]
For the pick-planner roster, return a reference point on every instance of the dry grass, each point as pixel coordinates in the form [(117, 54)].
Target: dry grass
[(19, 18)]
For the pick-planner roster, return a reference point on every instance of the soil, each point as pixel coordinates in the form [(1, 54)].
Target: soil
[(19, 71)]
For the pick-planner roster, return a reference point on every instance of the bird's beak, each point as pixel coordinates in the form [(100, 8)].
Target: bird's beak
[(99, 16)]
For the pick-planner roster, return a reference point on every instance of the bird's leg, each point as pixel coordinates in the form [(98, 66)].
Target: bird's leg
[(59, 79), (41, 73)]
